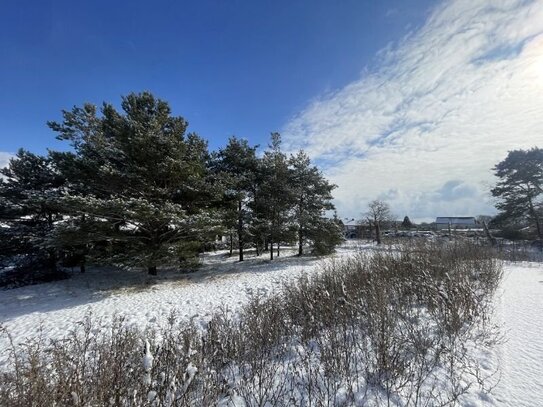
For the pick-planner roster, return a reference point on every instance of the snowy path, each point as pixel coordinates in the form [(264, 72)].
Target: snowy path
[(520, 309)]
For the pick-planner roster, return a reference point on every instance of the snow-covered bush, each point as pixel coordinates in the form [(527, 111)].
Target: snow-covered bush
[(394, 326)]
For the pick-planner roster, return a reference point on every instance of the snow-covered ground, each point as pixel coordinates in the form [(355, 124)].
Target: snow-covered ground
[(53, 308), (519, 308)]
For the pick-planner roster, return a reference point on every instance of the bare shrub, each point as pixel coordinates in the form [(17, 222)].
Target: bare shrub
[(393, 326)]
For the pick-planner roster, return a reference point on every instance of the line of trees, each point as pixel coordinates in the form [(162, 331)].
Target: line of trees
[(518, 193), (136, 190)]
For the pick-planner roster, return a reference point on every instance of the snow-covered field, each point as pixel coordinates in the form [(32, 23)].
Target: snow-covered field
[(519, 308), (52, 309)]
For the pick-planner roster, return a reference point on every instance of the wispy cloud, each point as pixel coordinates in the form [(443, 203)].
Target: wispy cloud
[(443, 106), (4, 158)]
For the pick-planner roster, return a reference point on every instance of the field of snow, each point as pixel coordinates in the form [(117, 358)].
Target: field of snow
[(519, 308), (52, 309)]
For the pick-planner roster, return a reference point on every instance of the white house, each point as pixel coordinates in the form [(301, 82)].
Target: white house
[(456, 222)]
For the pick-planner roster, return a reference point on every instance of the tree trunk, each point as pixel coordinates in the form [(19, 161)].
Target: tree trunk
[(377, 232), (82, 265), (240, 231), (536, 218), (489, 236), (271, 246), (266, 245), (300, 242), (231, 244), (300, 228), (151, 270), (278, 249), (52, 260)]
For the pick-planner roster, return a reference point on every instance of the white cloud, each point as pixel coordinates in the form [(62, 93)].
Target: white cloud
[(4, 158), (443, 107)]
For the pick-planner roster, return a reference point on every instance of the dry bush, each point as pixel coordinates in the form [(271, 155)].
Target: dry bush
[(386, 327)]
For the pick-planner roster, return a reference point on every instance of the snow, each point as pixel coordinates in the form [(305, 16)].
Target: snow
[(190, 373), (147, 364), (519, 355), (151, 396), (51, 310), (147, 358), (520, 310)]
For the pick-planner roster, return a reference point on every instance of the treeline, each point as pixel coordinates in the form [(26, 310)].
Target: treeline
[(136, 190)]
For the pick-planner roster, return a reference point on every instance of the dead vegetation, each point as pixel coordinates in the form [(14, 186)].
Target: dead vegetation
[(387, 327)]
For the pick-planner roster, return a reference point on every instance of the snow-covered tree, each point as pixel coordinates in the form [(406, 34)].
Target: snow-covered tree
[(326, 234), (29, 210), (312, 198), (236, 166), (520, 188), (137, 179), (276, 194)]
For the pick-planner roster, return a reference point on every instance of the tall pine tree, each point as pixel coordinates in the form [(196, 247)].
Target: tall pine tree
[(313, 197), (29, 211), (236, 165), (144, 188), (276, 194), (520, 187)]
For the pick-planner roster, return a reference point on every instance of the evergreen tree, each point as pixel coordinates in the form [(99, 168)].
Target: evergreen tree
[(520, 186), (326, 234), (259, 227), (136, 190), (312, 198), (29, 212), (276, 193), (236, 166), (138, 181), (406, 224)]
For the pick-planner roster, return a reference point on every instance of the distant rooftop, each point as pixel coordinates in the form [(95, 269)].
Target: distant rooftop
[(350, 222), (456, 220)]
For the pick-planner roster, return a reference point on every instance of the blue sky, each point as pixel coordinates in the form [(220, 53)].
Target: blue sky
[(228, 67), (410, 102)]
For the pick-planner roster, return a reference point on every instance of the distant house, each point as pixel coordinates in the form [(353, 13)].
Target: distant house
[(350, 228), (456, 222)]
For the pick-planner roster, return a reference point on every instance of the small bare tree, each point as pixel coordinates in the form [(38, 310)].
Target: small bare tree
[(378, 213)]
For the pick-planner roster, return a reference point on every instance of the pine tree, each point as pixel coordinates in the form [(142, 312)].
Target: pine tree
[(312, 198), (326, 234), (236, 166), (259, 228), (276, 194), (138, 181), (29, 212), (406, 224), (520, 187)]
